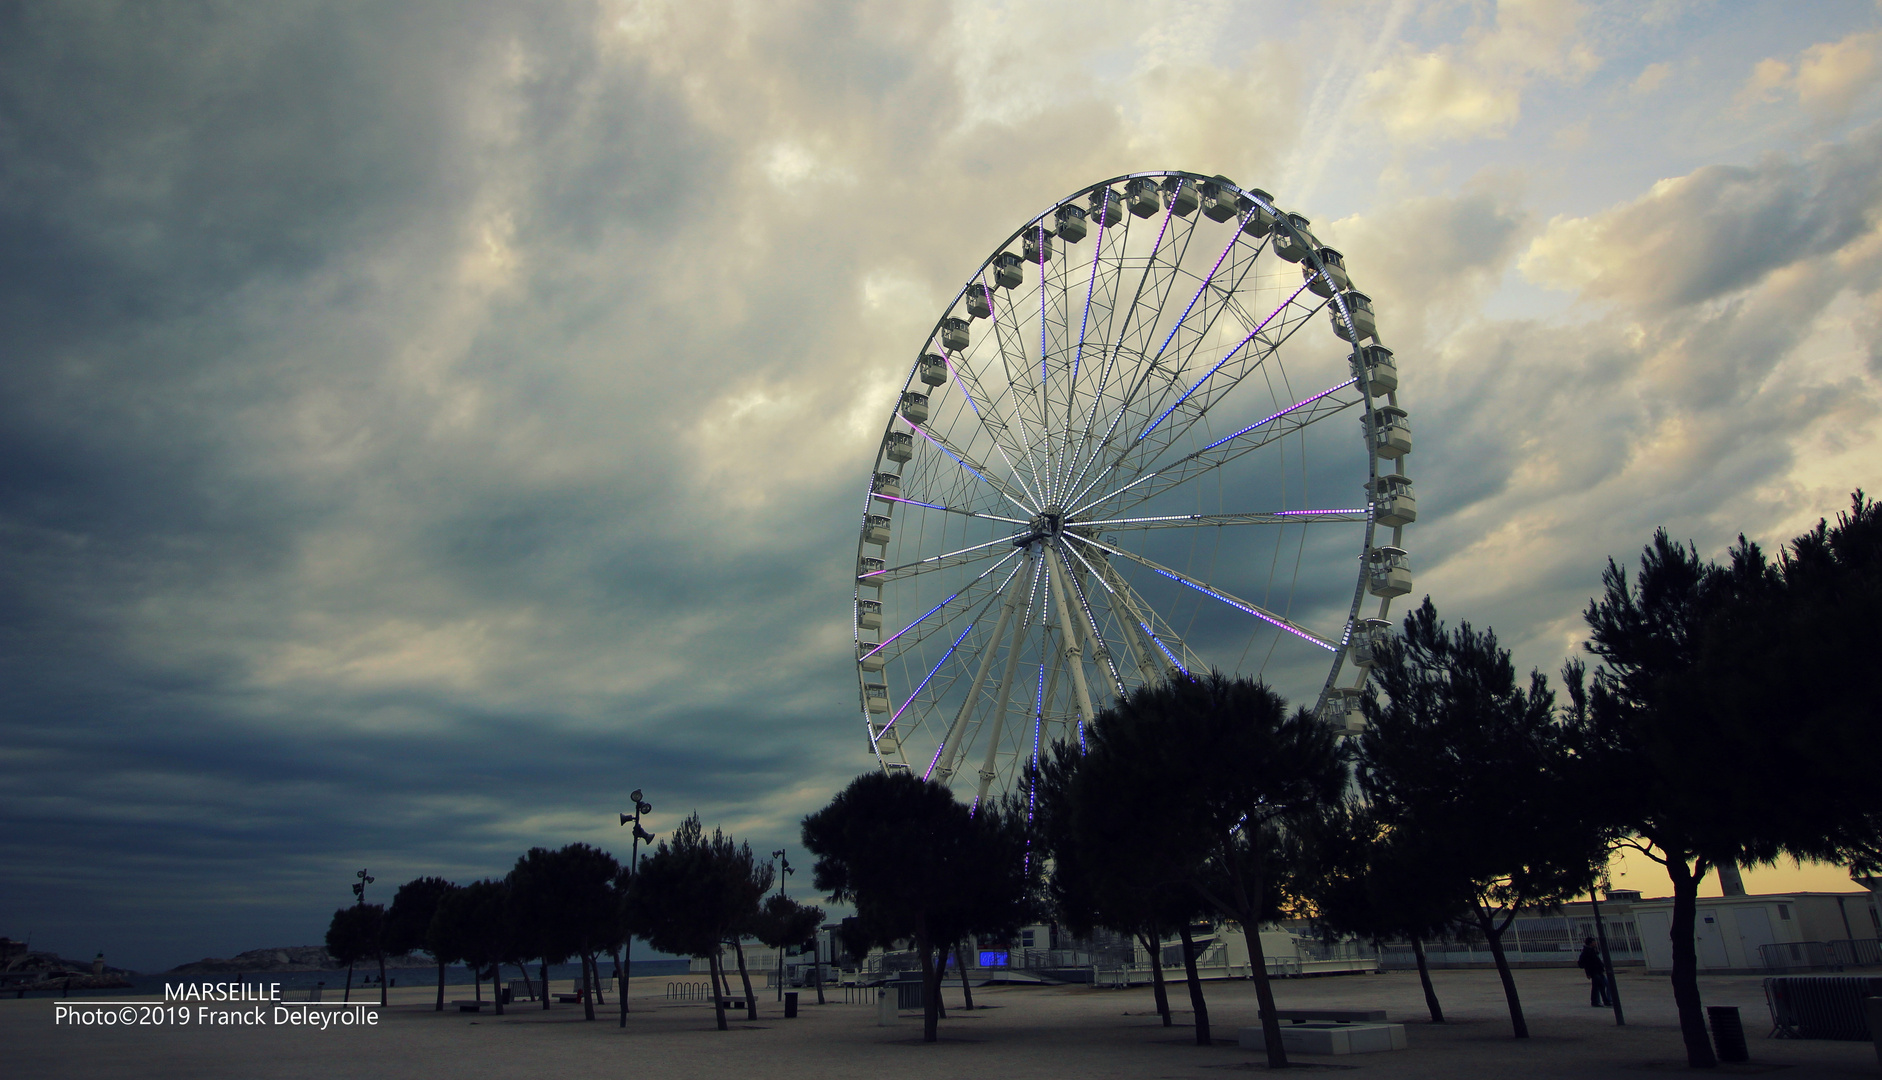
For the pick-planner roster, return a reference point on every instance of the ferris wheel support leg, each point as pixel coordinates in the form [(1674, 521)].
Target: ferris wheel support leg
[(955, 731), (999, 713), (1071, 636), (1153, 669)]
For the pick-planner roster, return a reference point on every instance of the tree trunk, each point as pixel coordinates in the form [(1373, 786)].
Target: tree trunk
[(440, 986), (625, 982), (780, 973), (348, 996), (382, 980), (544, 971), (496, 985), (528, 986), (1692, 1022), (477, 981), (718, 998), (967, 991), (940, 976), (816, 965), (1264, 997), (1154, 946), (931, 991), (1424, 979), (591, 986), (1196, 1002), (751, 999), (1494, 935)]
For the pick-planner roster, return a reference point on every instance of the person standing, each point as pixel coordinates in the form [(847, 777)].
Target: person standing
[(1590, 964)]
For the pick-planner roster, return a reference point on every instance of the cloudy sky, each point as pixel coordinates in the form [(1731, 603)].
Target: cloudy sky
[(421, 424)]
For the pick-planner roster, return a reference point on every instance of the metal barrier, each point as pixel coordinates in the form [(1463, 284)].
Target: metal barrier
[(1821, 955), (1819, 1007), (685, 991)]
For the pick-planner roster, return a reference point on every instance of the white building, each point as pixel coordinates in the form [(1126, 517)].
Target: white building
[(1730, 932)]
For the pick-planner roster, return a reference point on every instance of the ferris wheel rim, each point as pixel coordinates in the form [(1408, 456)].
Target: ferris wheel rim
[(1051, 552)]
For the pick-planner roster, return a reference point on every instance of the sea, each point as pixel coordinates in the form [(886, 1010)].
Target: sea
[(296, 984)]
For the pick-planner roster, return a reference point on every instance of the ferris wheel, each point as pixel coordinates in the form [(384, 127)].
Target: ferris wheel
[(1155, 433)]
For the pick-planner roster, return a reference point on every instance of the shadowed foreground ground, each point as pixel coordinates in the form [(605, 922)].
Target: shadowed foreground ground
[(1024, 1032)]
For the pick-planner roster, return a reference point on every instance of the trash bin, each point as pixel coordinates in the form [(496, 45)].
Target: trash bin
[(885, 1007), (506, 995), (1728, 1034), (790, 1005)]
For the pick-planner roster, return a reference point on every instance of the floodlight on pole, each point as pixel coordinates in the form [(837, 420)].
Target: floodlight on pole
[(641, 806)]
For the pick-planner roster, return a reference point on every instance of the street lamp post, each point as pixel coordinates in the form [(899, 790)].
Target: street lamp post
[(784, 868), (633, 864)]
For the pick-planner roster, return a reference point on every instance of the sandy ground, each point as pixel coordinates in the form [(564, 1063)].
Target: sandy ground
[(1018, 1032)]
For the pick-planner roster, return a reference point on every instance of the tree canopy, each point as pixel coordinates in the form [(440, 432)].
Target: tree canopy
[(1473, 766), (920, 866), (685, 899)]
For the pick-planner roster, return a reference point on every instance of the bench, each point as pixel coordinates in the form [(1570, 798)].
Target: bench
[(734, 1003), (569, 999), (1328, 1016), (469, 1005)]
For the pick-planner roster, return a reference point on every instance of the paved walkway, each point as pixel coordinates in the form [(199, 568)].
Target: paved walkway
[(1022, 1032)]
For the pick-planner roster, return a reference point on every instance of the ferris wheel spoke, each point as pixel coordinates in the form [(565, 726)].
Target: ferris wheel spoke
[(1005, 695), (938, 562), (941, 624), (1101, 650), (1239, 365), (968, 383), (950, 745), (1116, 279), (885, 730), (1271, 517), (962, 459), (949, 509), (1006, 340), (1238, 362), (1150, 636), (1279, 622), (1240, 268), (1279, 425), (1133, 632), (1160, 285)]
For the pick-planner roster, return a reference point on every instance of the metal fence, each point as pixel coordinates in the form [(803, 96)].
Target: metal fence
[(1821, 955), (1539, 941), (1819, 1008)]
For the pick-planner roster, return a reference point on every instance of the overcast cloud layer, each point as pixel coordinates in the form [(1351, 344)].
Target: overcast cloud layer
[(421, 424)]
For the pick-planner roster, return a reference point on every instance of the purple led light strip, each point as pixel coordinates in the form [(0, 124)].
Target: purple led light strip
[(943, 603), (923, 686), (938, 558), (961, 385), (1111, 364), (1233, 240), (1283, 412), (919, 430), (1084, 604), (1200, 517), (1266, 420), (1161, 645), (1277, 623), (949, 509), (1218, 365)]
